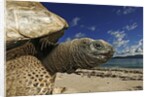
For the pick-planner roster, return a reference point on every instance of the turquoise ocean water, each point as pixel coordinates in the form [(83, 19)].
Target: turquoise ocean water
[(124, 63)]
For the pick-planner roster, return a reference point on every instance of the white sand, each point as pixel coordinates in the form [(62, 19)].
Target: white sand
[(100, 80)]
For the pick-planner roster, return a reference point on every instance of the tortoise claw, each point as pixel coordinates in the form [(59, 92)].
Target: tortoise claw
[(45, 43)]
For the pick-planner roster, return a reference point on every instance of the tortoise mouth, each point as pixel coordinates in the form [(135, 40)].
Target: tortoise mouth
[(101, 50), (105, 55)]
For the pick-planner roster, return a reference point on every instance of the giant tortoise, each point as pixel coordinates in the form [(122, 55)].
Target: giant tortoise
[(33, 56)]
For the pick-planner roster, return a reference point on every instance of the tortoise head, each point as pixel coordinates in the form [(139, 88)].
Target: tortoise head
[(91, 53), (79, 53)]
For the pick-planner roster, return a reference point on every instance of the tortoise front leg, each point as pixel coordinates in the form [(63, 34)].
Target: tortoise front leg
[(51, 39)]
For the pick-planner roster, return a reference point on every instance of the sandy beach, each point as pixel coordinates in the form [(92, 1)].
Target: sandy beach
[(99, 80)]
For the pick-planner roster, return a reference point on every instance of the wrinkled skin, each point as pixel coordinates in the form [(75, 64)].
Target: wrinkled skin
[(31, 71), (79, 53)]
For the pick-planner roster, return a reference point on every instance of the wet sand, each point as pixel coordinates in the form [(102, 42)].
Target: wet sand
[(100, 80)]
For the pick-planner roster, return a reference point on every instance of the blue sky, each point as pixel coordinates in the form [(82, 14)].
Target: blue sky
[(121, 26)]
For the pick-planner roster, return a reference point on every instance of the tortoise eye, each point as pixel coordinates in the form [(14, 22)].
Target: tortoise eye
[(84, 42), (98, 45)]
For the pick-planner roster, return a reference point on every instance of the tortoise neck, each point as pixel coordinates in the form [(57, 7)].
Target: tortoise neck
[(58, 59)]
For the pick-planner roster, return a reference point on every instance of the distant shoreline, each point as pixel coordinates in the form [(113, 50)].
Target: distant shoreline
[(128, 57), (125, 62), (125, 67), (117, 67)]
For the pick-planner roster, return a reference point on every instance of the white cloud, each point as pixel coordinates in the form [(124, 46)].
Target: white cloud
[(68, 39), (121, 43), (139, 47), (75, 21), (77, 36), (132, 50), (92, 28), (131, 27), (82, 26), (125, 10), (119, 38)]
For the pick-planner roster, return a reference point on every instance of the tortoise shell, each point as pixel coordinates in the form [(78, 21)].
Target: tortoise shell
[(28, 20)]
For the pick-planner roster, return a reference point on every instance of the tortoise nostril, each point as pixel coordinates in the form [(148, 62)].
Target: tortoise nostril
[(113, 50), (110, 51)]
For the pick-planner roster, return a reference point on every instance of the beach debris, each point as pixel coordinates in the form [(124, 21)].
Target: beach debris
[(124, 75), (58, 90)]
